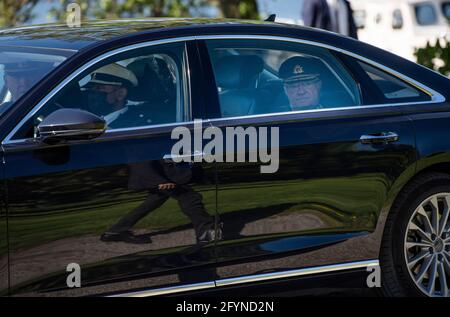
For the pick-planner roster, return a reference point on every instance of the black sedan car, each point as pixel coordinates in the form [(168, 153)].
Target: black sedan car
[(94, 202)]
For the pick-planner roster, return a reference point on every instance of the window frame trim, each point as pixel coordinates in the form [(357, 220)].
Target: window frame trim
[(435, 96)]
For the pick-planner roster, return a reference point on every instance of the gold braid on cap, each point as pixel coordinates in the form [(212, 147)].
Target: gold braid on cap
[(299, 76)]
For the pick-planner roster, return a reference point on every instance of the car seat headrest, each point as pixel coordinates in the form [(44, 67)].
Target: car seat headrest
[(239, 71)]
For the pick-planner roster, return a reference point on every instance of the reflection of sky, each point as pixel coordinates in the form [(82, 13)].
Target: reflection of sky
[(287, 9), (302, 242)]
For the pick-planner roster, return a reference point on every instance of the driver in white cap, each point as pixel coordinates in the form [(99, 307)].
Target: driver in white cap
[(107, 94)]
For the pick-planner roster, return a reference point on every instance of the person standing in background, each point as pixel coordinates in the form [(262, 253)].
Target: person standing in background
[(316, 13), (341, 15)]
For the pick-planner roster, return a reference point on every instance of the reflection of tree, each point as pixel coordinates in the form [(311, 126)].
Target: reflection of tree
[(95, 30), (103, 188)]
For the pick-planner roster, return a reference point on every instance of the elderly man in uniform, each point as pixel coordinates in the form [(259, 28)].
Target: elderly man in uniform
[(302, 83)]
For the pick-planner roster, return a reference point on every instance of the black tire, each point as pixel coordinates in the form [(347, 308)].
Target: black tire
[(396, 280)]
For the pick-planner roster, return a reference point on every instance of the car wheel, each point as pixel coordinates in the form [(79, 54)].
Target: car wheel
[(415, 252)]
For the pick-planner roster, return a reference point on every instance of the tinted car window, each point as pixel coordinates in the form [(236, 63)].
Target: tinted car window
[(263, 76), (425, 14), (139, 88), (392, 87)]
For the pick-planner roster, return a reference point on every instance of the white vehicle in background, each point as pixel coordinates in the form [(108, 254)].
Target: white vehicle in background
[(402, 26)]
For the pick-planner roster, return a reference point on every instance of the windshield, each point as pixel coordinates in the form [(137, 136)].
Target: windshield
[(21, 68)]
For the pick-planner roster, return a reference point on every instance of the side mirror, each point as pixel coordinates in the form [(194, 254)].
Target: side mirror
[(70, 124)]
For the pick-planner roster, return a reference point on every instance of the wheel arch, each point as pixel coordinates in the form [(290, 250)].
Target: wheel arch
[(395, 282), (406, 180)]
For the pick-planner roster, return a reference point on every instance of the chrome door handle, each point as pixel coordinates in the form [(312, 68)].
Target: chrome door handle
[(384, 137), (182, 157)]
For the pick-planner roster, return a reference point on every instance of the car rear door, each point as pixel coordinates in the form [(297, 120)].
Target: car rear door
[(337, 169), (64, 196)]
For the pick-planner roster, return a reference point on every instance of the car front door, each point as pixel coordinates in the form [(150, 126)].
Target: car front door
[(65, 196), (338, 161)]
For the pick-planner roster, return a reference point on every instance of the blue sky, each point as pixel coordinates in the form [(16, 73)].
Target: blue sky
[(41, 10), (282, 8)]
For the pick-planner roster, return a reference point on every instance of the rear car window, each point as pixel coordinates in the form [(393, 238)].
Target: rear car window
[(392, 87), (266, 76)]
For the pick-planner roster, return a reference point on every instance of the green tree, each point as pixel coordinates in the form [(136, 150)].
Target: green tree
[(109, 9), (436, 57), (14, 12), (239, 9)]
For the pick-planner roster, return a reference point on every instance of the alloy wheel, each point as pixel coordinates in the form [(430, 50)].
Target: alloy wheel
[(427, 246)]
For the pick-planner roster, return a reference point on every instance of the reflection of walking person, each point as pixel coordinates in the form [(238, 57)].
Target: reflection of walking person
[(164, 181)]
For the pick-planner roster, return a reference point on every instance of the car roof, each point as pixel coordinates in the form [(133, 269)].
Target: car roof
[(59, 35)]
